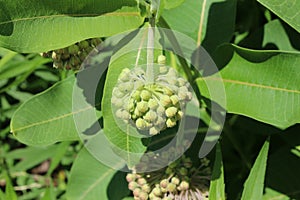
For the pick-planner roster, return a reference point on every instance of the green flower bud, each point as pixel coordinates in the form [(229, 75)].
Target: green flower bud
[(184, 186), (142, 106), (157, 192), (73, 49), (83, 44), (165, 100), (117, 93), (153, 131), (141, 124), (171, 187), (125, 87), (95, 41), (174, 99), (132, 186), (136, 192), (146, 188), (163, 69), (170, 122), (141, 181), (169, 171), (145, 95), (164, 183), (56, 56), (58, 64), (125, 75), (183, 171), (168, 91), (130, 177), (136, 95), (172, 73), (175, 180), (150, 116), (117, 102), (137, 113), (160, 110), (161, 60), (179, 114), (181, 82), (143, 195), (153, 104), (171, 111)]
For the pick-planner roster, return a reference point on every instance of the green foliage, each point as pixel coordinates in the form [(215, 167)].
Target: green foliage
[(255, 45)]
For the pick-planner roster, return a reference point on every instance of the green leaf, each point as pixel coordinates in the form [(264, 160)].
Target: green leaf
[(89, 179), (217, 185), (169, 4), (9, 189), (186, 19), (40, 26), (264, 85), (47, 117), (288, 11), (59, 154), (49, 193), (254, 185)]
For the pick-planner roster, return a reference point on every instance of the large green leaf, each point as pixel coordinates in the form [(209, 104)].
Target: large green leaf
[(254, 185), (89, 178), (47, 117), (217, 13), (217, 185), (289, 11), (39, 26), (264, 85)]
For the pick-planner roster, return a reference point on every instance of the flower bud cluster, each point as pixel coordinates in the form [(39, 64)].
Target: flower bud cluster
[(179, 181), (72, 57), (150, 107)]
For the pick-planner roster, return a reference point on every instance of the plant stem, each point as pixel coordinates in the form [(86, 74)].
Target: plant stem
[(150, 52)]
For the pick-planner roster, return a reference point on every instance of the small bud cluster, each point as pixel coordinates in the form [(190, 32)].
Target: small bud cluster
[(154, 106), (72, 57), (179, 181)]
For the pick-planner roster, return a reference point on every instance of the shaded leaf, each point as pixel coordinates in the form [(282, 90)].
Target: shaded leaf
[(9, 189), (254, 185), (39, 26)]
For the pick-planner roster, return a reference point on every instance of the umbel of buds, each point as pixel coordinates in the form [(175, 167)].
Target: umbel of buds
[(150, 107), (73, 56), (179, 181)]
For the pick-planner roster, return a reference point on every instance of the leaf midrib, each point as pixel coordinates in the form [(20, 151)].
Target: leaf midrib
[(249, 84), (49, 120)]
